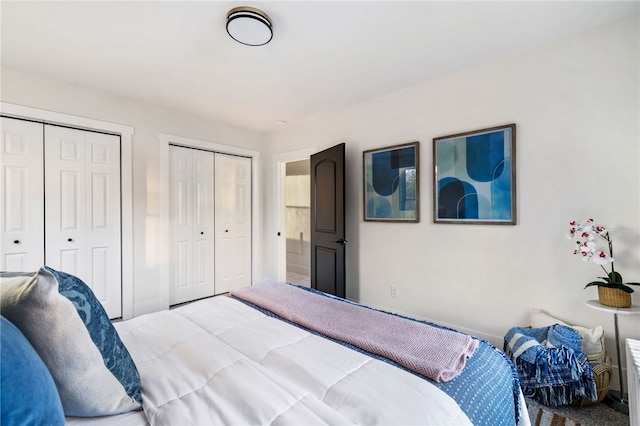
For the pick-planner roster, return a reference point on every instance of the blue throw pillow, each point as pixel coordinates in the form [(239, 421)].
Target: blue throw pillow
[(71, 332), (115, 354), (29, 395)]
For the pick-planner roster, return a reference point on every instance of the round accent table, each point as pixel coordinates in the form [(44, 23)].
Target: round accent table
[(620, 403)]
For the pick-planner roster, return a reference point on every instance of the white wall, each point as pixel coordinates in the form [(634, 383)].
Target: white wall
[(150, 290), (576, 107)]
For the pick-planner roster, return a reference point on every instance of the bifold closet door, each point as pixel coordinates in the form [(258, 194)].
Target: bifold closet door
[(82, 214), (21, 192), (233, 222), (191, 197)]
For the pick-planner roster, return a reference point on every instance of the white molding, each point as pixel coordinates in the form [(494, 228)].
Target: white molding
[(51, 117), (126, 138), (163, 189), (206, 145), (162, 302), (279, 165)]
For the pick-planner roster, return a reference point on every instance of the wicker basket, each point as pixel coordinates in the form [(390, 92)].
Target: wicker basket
[(614, 297), (601, 366)]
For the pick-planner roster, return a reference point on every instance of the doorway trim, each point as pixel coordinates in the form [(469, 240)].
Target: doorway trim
[(280, 166), (162, 302)]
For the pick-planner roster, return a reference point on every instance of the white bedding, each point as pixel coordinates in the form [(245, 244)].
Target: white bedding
[(218, 361)]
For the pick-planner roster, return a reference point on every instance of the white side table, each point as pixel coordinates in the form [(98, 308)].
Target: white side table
[(632, 310)]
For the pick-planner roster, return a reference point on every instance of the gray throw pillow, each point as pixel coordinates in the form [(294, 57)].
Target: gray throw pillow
[(56, 330)]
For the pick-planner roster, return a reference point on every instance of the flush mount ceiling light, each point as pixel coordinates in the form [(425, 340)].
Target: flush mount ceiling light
[(249, 26)]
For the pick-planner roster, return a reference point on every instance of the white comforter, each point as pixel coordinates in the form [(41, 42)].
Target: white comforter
[(218, 361)]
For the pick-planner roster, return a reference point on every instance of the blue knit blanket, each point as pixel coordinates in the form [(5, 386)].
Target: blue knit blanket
[(552, 368)]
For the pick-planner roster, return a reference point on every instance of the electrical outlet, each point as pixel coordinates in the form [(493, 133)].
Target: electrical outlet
[(394, 291)]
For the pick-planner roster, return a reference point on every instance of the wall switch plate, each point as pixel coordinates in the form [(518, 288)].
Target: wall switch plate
[(394, 291)]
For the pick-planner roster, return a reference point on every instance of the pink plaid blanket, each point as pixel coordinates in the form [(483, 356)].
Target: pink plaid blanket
[(433, 352)]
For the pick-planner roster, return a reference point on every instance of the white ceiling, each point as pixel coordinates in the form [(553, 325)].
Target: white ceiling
[(324, 56)]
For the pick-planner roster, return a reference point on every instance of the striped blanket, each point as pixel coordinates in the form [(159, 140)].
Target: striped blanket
[(433, 352), (552, 368)]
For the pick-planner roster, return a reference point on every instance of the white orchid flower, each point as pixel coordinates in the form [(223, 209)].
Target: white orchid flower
[(601, 258)]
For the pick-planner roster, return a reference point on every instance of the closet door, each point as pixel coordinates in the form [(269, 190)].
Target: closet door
[(191, 195), (233, 222), (21, 196), (82, 196)]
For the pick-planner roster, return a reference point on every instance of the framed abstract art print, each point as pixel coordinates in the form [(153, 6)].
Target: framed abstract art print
[(475, 177), (391, 189)]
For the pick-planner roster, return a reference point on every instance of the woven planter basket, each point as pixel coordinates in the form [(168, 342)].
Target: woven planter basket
[(614, 297), (601, 366)]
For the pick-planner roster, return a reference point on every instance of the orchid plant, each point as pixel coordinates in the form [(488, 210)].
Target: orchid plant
[(587, 234)]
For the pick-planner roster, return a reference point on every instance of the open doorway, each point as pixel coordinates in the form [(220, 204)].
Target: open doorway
[(298, 222)]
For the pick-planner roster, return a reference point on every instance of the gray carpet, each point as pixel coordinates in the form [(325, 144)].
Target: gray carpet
[(592, 415)]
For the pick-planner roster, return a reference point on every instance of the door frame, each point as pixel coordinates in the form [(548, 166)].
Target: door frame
[(162, 301), (126, 179), (280, 166)]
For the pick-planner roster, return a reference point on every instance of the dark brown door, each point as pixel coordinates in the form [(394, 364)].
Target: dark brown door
[(327, 221)]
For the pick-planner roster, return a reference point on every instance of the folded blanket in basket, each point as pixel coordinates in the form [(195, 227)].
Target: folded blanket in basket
[(433, 352), (552, 368)]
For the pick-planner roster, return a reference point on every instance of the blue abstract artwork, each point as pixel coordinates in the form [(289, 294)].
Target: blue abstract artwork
[(474, 177), (391, 183)]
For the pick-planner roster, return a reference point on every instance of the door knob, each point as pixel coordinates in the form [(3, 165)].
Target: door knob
[(70, 240), (341, 241), (201, 233), (16, 241)]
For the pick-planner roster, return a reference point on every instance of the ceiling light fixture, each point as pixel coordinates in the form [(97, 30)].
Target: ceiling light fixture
[(249, 26)]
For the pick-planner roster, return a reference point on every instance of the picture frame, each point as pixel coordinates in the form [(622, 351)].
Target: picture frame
[(474, 177), (391, 179)]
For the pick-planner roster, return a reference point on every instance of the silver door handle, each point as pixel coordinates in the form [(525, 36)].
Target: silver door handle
[(341, 241)]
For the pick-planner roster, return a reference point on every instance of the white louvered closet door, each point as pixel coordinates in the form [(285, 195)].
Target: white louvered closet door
[(233, 222), (21, 192), (82, 214), (191, 177)]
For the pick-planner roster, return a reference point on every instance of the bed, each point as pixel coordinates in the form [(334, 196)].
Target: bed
[(228, 360)]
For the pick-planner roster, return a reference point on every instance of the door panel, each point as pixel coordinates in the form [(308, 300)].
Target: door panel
[(21, 189), (180, 219), (68, 261), (233, 222), (100, 271), (191, 220), (103, 220), (325, 173), (203, 269), (328, 221), (99, 201), (71, 189), (65, 195), (83, 222), (326, 275), (181, 272)]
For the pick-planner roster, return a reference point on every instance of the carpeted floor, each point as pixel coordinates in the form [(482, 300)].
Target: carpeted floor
[(592, 415)]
